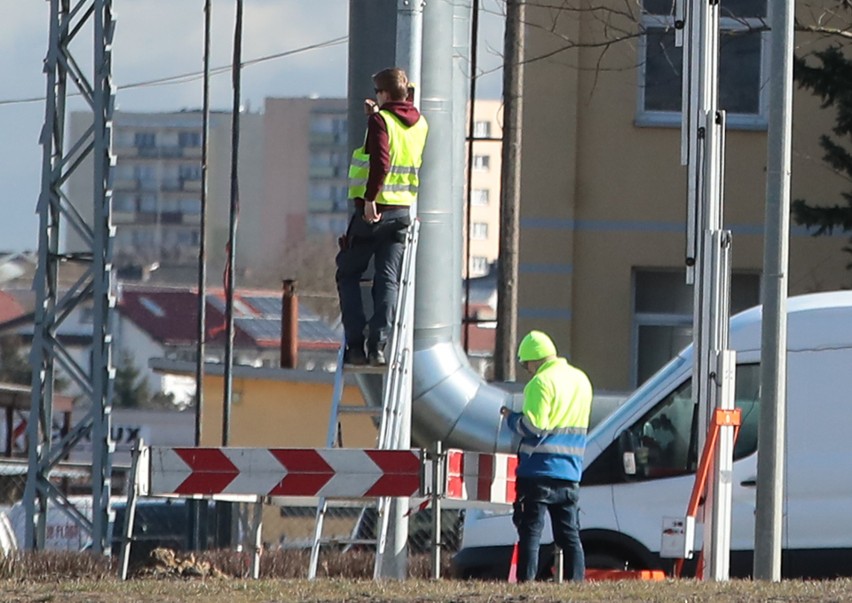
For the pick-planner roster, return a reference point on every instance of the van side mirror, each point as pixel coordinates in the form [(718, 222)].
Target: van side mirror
[(627, 448)]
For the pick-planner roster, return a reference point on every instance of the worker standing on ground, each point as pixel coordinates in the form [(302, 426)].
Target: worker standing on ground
[(383, 182), (552, 425)]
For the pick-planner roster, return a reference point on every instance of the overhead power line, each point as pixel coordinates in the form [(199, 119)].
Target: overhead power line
[(197, 75)]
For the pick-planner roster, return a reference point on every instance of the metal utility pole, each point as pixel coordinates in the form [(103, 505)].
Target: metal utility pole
[(773, 357), (471, 125), (510, 193), (234, 213), (201, 325), (708, 263), (198, 508), (409, 37), (56, 209), (409, 43)]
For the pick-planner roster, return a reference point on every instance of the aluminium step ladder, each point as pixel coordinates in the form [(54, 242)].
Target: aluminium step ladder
[(396, 384)]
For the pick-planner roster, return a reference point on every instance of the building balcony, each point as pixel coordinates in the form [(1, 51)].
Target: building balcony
[(123, 217), (192, 185), (125, 184), (171, 184), (160, 152)]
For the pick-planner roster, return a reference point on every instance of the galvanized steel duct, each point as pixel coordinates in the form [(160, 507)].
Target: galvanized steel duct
[(451, 402)]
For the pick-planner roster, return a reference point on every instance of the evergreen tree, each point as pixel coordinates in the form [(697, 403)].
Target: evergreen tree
[(129, 388), (14, 366), (831, 80)]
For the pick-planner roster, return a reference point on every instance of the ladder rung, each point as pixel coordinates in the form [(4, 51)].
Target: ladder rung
[(360, 410)]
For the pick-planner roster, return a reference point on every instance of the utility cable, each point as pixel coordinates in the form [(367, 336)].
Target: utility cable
[(195, 75)]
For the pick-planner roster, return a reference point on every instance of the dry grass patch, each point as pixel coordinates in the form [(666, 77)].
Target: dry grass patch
[(334, 589), (78, 578)]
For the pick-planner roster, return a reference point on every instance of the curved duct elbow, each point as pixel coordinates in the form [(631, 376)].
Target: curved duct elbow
[(453, 405)]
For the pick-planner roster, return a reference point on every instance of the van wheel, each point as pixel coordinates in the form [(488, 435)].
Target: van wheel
[(607, 561)]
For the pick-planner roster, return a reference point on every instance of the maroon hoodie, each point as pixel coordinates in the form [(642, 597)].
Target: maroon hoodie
[(377, 143)]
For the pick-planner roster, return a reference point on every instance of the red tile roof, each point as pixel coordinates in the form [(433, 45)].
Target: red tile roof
[(170, 316), (9, 307)]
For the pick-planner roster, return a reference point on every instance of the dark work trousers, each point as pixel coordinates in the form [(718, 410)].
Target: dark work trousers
[(384, 241), (560, 498)]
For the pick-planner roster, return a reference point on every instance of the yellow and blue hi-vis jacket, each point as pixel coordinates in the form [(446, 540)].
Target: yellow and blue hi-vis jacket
[(553, 422)]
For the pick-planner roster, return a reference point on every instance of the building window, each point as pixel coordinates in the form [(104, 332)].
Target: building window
[(123, 203), (145, 140), (189, 171), (479, 230), (743, 57), (146, 204), (146, 176), (189, 139), (482, 129), (189, 206), (662, 315), (481, 163), (479, 196), (478, 265)]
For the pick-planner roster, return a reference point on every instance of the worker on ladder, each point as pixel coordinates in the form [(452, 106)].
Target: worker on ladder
[(383, 182)]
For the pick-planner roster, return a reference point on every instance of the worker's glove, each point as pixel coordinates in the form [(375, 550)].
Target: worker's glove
[(517, 513)]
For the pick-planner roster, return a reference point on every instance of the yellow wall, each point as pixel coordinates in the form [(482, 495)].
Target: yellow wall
[(284, 414)]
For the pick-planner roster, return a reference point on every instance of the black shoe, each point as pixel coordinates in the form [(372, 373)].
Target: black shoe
[(377, 357), (355, 356)]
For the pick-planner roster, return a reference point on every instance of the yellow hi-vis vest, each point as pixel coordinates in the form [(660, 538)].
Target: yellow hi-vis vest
[(405, 147)]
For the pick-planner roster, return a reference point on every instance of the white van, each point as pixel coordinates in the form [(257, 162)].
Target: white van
[(621, 514)]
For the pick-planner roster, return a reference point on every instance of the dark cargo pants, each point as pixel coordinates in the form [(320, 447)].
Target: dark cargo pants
[(384, 241)]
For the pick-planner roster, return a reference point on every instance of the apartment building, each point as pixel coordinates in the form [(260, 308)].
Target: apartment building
[(293, 169), (306, 161), (483, 241), (156, 203)]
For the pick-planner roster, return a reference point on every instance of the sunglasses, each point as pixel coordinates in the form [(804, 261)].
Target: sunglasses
[(377, 90)]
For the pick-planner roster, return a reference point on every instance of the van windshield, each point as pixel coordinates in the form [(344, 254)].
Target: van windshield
[(657, 380)]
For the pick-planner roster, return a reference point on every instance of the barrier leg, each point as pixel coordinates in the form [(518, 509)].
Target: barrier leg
[(257, 538), (130, 510), (437, 536), (558, 564)]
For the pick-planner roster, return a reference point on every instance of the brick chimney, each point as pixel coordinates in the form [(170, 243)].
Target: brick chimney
[(289, 325)]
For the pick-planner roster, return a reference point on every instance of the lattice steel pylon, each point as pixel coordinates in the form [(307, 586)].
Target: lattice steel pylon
[(68, 22)]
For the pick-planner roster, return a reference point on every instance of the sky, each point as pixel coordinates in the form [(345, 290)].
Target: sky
[(157, 39)]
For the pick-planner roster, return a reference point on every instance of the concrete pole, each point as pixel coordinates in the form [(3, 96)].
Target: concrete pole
[(372, 47), (510, 193), (773, 365)]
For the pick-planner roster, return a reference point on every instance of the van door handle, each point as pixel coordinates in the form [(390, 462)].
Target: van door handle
[(749, 483)]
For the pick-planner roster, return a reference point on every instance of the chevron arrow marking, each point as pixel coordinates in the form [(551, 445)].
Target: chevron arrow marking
[(399, 473), (306, 472), (210, 471)]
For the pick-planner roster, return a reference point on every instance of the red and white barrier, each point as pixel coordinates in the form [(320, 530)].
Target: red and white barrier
[(330, 472), (477, 476)]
